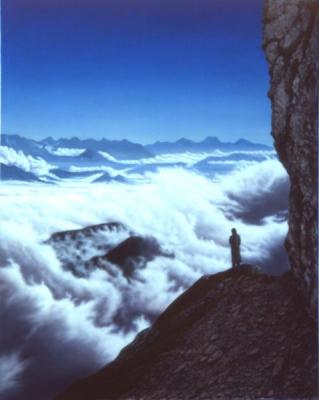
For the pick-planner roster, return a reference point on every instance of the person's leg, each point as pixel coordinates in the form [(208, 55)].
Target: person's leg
[(233, 260), (237, 258)]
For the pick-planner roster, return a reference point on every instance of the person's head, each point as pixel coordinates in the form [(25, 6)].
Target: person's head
[(233, 231)]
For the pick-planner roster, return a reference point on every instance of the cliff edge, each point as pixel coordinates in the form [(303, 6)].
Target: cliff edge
[(236, 334), (291, 44)]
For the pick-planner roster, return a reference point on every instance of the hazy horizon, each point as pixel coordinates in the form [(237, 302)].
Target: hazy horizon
[(193, 139)]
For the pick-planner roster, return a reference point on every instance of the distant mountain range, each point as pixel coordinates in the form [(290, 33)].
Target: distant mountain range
[(209, 144), (27, 146), (122, 149)]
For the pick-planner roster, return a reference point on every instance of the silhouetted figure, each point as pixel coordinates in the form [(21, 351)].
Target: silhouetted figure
[(234, 241)]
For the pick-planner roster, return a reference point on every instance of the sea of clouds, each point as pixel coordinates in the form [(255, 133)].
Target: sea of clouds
[(36, 165), (57, 327)]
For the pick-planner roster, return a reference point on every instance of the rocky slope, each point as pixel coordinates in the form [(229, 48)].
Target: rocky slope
[(237, 334), (291, 43)]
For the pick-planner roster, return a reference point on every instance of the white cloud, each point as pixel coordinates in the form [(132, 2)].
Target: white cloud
[(66, 152), (53, 315), (188, 158), (11, 368), (38, 166), (108, 157), (112, 171)]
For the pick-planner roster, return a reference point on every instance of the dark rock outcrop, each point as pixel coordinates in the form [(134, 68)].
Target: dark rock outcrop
[(83, 250), (77, 248), (291, 43), (85, 233), (131, 254), (133, 251), (236, 334)]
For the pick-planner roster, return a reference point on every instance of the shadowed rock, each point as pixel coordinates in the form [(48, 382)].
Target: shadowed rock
[(291, 43), (134, 250), (75, 248), (235, 334), (87, 231), (83, 250)]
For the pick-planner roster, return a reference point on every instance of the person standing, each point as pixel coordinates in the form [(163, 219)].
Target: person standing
[(234, 241)]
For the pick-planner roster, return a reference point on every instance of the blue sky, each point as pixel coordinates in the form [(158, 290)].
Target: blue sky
[(144, 70)]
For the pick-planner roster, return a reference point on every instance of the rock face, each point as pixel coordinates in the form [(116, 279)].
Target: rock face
[(133, 251), (291, 44), (237, 334)]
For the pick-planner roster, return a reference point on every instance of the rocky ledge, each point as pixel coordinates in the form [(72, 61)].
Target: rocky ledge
[(236, 334)]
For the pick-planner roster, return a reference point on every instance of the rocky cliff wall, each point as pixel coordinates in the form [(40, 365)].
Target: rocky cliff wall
[(291, 37)]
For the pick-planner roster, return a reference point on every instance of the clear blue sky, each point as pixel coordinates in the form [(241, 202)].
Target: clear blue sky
[(144, 70)]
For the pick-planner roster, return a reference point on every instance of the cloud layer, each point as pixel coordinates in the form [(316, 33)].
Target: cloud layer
[(59, 327), (38, 166), (65, 152)]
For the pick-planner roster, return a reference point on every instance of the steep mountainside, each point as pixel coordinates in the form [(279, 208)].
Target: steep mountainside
[(291, 42), (235, 334)]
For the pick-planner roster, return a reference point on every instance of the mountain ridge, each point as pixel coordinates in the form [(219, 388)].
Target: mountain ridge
[(125, 149), (210, 143)]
